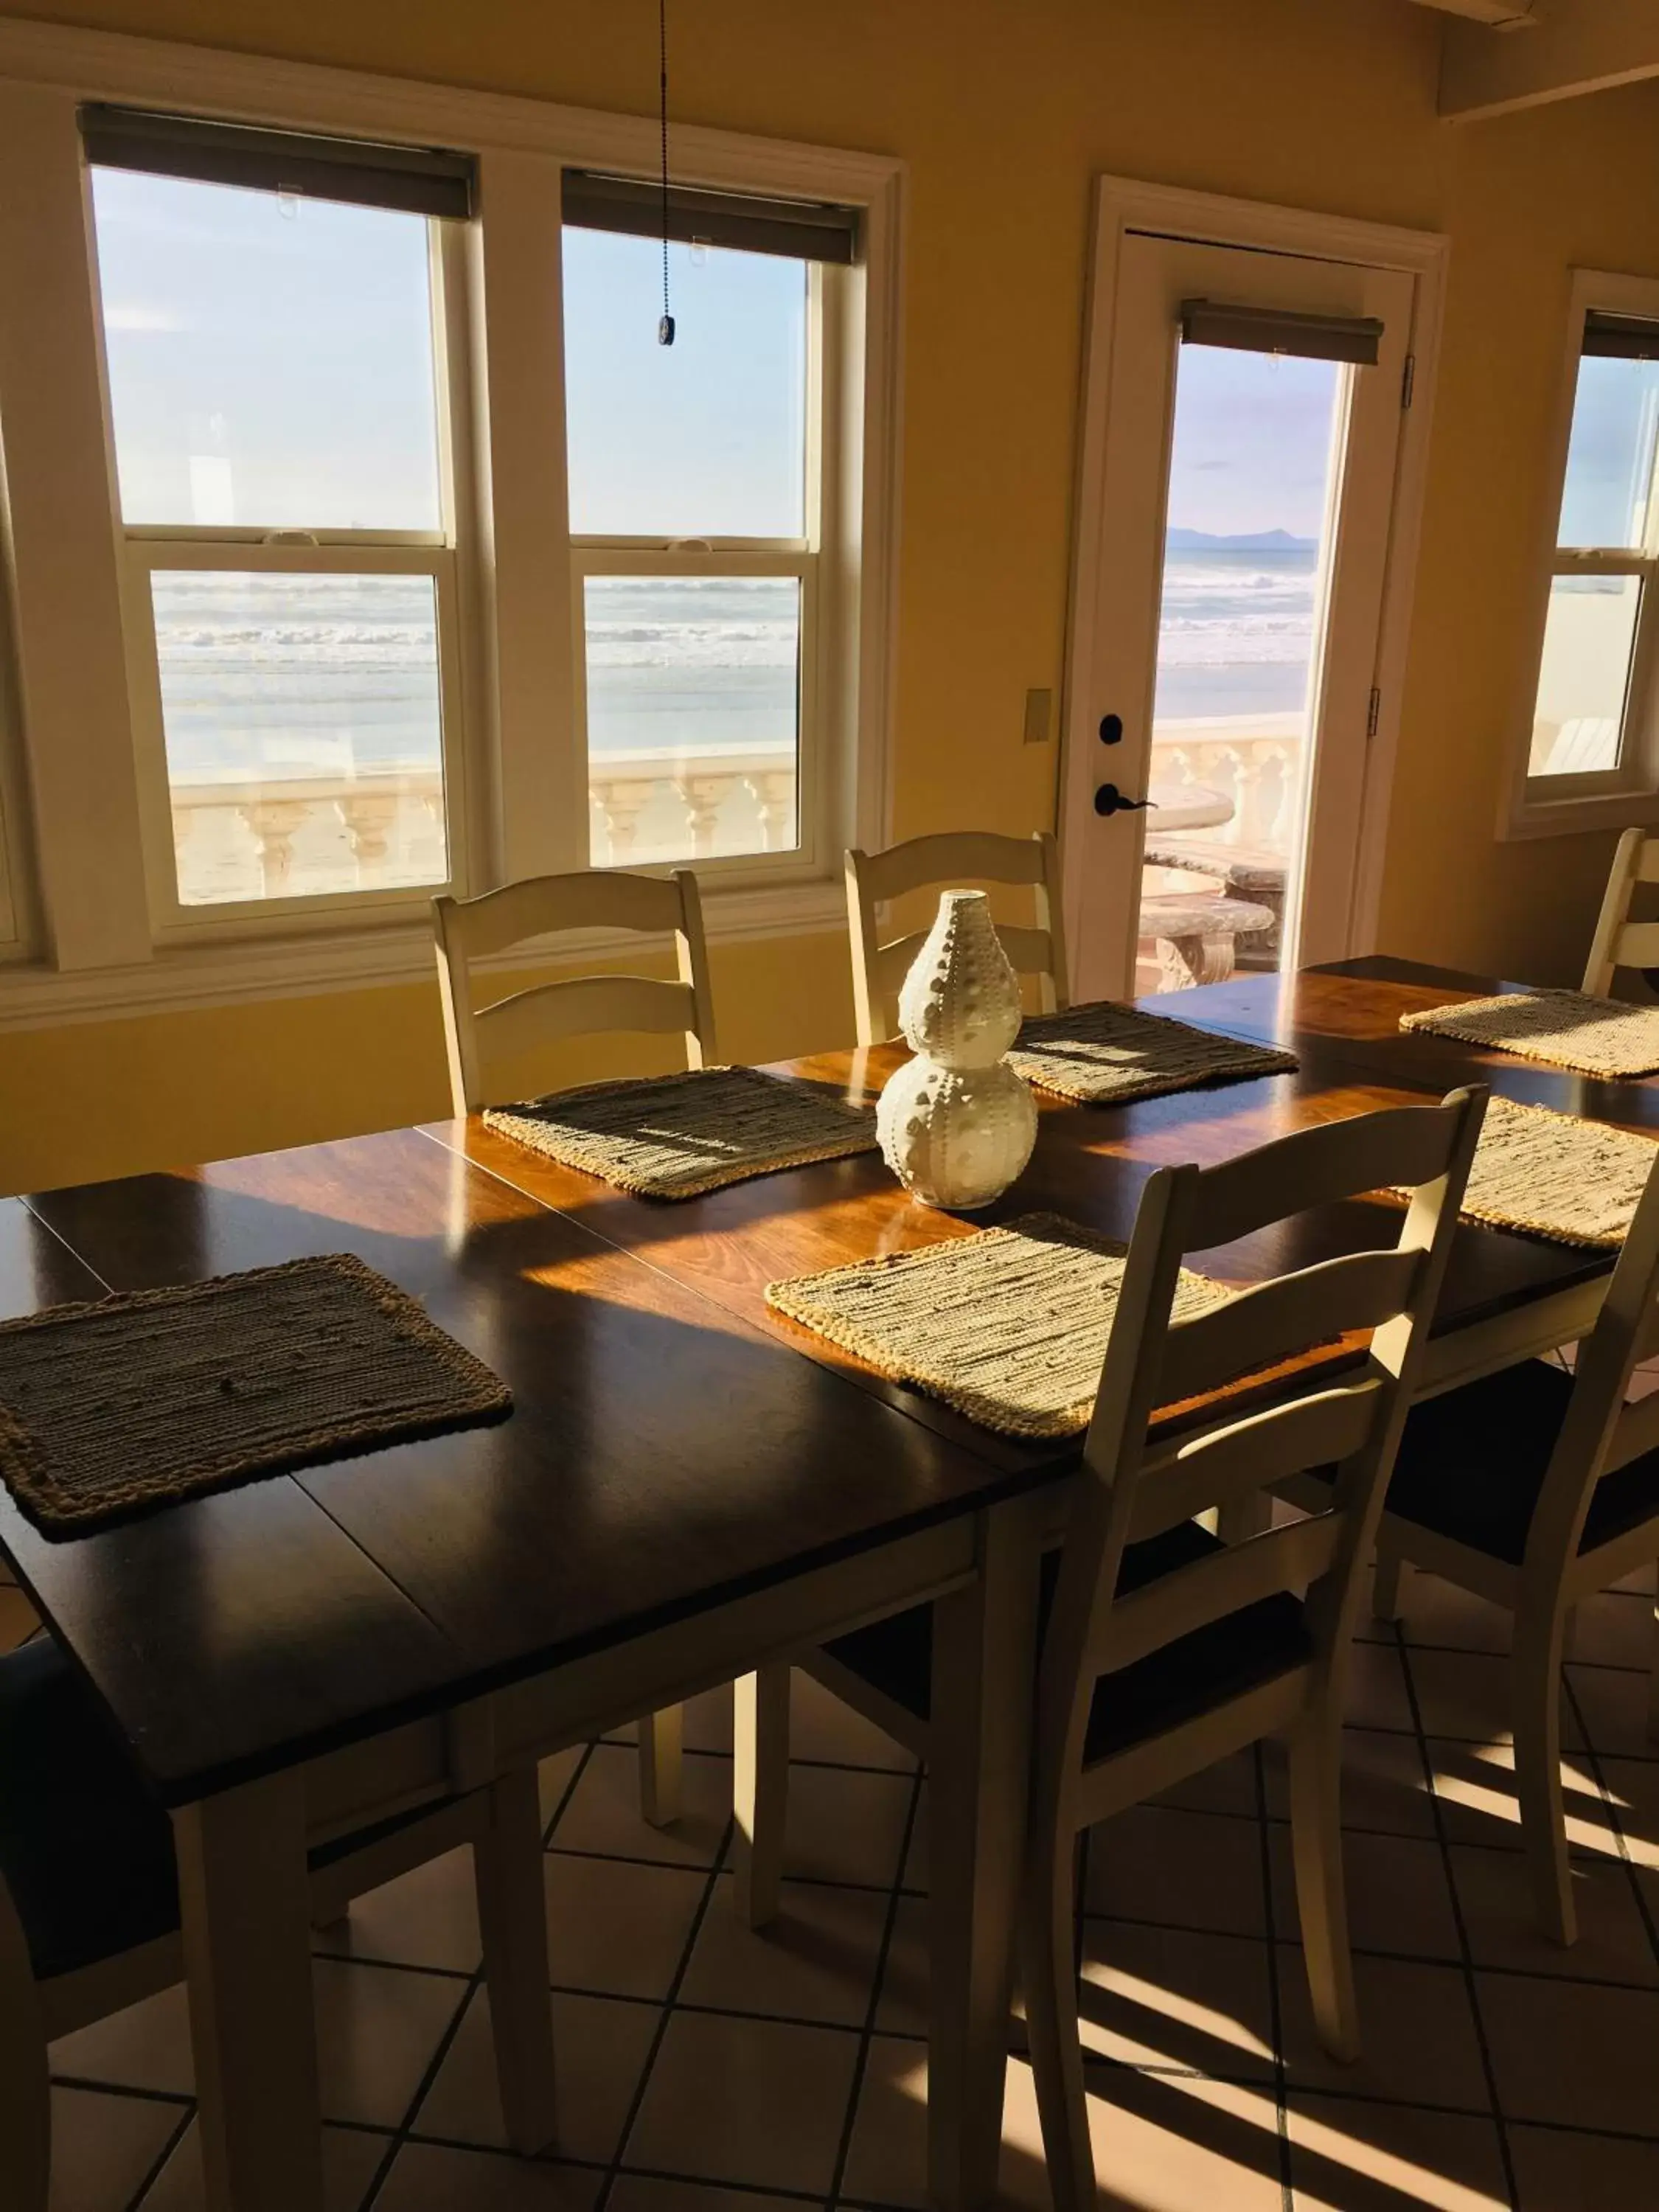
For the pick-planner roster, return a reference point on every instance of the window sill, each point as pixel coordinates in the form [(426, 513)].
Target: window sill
[(1567, 817), (35, 996)]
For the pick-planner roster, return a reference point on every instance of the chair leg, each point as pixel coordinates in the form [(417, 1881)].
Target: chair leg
[(659, 1765), (1536, 1674), (25, 2088), (512, 1917), (1315, 1791), (1050, 1972), (1385, 1585), (759, 1786)]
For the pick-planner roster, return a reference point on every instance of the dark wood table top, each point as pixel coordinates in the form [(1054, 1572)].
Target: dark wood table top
[(1092, 1162), (674, 1444)]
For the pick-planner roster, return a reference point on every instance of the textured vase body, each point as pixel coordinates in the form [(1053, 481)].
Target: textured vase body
[(956, 1124)]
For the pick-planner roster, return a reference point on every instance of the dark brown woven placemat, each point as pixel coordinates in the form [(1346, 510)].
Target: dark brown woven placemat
[(678, 1136), (152, 1397), (1106, 1054)]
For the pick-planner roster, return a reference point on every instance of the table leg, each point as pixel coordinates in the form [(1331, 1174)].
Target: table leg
[(245, 1897), (979, 1735)]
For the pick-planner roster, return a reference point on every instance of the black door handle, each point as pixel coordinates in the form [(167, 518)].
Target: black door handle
[(1109, 799)]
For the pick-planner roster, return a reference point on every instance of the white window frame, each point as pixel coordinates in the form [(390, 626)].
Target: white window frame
[(820, 734), (1545, 807), (445, 555), (102, 947)]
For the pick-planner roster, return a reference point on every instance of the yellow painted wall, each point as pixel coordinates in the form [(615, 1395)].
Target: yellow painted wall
[(1005, 111)]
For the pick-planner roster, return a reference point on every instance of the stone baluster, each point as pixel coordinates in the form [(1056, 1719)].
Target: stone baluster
[(701, 796), (1246, 827), (275, 823), (773, 794), (369, 817), (620, 800)]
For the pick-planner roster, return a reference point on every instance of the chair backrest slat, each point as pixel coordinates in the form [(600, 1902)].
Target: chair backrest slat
[(1277, 1560), (1219, 1464), (1637, 945), (470, 930), (577, 1005), (1279, 1319), (1393, 1149), (1134, 1490), (945, 860), (1618, 941)]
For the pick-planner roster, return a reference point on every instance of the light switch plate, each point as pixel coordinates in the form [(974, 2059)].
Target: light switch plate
[(1039, 717)]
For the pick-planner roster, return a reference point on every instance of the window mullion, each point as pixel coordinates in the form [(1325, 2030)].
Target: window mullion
[(543, 797)]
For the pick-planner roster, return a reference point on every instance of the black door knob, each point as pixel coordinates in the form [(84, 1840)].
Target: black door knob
[(1111, 729), (1109, 799)]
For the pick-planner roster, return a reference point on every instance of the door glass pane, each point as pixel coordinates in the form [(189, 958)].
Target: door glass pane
[(301, 714), (270, 358), (1615, 411), (1588, 638), (1239, 640), (705, 438), (693, 715)]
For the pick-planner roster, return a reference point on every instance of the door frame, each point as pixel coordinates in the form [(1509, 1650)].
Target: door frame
[(1124, 205)]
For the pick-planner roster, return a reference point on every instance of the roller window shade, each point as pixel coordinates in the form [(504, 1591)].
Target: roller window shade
[(800, 230), (1276, 330), (417, 180), (1620, 337)]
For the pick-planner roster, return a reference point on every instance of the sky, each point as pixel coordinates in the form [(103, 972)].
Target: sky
[(271, 363), (1252, 441)]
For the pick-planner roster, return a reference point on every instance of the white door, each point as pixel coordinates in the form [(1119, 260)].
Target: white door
[(1225, 641)]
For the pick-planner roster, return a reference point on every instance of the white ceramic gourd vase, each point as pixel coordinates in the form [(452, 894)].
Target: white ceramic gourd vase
[(956, 1124)]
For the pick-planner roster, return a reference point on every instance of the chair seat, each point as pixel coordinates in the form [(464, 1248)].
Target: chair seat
[(86, 1850), (1471, 1464), (1192, 1675)]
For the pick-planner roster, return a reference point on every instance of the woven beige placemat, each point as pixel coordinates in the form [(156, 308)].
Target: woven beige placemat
[(152, 1397), (1554, 1175), (1594, 1036), (1106, 1054), (1007, 1325), (676, 1136)]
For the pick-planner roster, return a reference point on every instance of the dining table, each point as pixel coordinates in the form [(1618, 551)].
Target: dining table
[(689, 1486)]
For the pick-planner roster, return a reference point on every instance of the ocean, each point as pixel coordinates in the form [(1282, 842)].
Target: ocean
[(278, 677)]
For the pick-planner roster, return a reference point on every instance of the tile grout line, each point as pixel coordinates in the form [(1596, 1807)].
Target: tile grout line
[(565, 1794), (423, 2089), (861, 2055), (1610, 1808), (1471, 1987), (665, 2013), (1275, 2013), (158, 2165)]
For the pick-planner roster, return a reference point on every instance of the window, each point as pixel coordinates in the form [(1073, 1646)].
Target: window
[(1594, 713), (698, 524), (276, 377), (356, 553)]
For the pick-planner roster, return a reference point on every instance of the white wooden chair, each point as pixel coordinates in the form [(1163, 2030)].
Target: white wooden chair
[(89, 1916), (468, 930), (955, 857), (1535, 1489), (1619, 942), (1167, 1647)]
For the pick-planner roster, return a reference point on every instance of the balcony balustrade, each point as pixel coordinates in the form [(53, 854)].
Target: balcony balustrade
[(287, 837)]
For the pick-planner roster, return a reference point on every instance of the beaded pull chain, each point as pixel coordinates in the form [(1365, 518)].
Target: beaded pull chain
[(665, 327)]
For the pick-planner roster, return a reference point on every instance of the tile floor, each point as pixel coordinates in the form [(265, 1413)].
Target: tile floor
[(705, 2071)]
